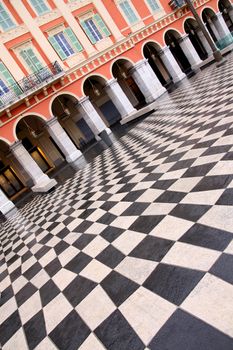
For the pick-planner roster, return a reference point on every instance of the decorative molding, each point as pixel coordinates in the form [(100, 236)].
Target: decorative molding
[(13, 33), (77, 4), (48, 17)]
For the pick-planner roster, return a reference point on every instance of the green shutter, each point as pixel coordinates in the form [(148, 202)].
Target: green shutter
[(87, 31), (34, 59), (9, 79), (57, 47), (31, 60), (100, 23), (75, 43)]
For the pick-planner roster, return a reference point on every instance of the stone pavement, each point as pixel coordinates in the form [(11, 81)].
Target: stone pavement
[(134, 251)]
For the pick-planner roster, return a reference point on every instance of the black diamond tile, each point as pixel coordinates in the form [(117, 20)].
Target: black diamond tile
[(207, 237), (61, 247), (186, 163), (163, 184), (48, 292), (216, 150), (63, 233), (25, 293), (199, 170), (107, 218), (78, 289), (116, 334), (42, 251), (190, 212), (228, 156), (9, 327), (145, 224), (118, 287), (185, 332), (133, 195), (83, 226), (83, 240), (170, 197), (110, 256), (53, 267), (78, 263), (35, 330), (70, 333), (6, 295), (213, 183), (32, 271), (111, 233), (173, 283), (223, 268), (226, 198), (135, 209), (152, 248)]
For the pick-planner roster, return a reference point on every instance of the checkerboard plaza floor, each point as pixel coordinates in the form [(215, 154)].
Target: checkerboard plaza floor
[(135, 251)]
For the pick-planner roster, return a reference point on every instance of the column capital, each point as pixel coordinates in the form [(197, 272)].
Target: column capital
[(139, 64), (164, 49), (82, 100), (16, 145), (183, 38), (52, 121), (110, 82)]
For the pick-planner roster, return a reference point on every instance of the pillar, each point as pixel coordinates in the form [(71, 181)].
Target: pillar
[(171, 64), (190, 51), (230, 12), (214, 29), (5, 204), (204, 42), (42, 183), (221, 26), (93, 119), (119, 98), (63, 141), (147, 81)]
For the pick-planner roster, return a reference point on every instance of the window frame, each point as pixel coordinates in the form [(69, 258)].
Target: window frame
[(139, 19), (10, 17), (97, 35), (66, 40), (91, 15), (35, 10)]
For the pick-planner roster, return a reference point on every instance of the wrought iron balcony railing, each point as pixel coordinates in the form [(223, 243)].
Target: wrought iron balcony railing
[(29, 84)]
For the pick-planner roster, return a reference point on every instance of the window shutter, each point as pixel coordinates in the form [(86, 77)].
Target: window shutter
[(8, 78), (34, 59), (153, 5), (75, 43), (57, 48), (101, 25), (88, 32)]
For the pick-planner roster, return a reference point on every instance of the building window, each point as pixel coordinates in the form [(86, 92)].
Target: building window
[(95, 28), (7, 82), (128, 11), (65, 43), (31, 60), (6, 22), (40, 7), (153, 5)]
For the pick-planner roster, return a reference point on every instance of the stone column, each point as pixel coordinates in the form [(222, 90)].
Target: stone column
[(190, 52), (204, 42), (119, 98), (214, 29), (42, 183), (147, 81), (221, 26), (5, 204), (171, 64), (63, 141), (93, 119), (230, 12)]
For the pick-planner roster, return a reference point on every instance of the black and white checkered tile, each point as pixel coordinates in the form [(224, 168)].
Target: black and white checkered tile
[(135, 251)]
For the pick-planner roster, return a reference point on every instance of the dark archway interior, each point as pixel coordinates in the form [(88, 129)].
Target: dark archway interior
[(191, 28)]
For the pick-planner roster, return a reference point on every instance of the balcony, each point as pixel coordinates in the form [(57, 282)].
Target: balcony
[(29, 84)]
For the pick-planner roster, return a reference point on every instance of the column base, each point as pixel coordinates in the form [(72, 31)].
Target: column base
[(7, 207), (104, 136), (44, 185), (73, 156), (179, 78), (154, 96)]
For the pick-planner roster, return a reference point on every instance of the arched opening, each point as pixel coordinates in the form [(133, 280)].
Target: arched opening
[(225, 7), (172, 39), (151, 51), (11, 181), (195, 35), (121, 71), (94, 87), (208, 17), (39, 144), (64, 107)]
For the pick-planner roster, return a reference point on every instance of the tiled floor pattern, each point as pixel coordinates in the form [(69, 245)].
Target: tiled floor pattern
[(134, 252)]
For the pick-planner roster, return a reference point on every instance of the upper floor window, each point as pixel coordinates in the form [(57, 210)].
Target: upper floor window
[(40, 6), (6, 21), (95, 28), (153, 5), (65, 43), (31, 60), (7, 82), (128, 11)]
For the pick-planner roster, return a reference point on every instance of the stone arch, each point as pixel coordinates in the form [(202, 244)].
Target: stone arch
[(225, 7), (196, 37), (122, 71), (172, 39), (152, 52)]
